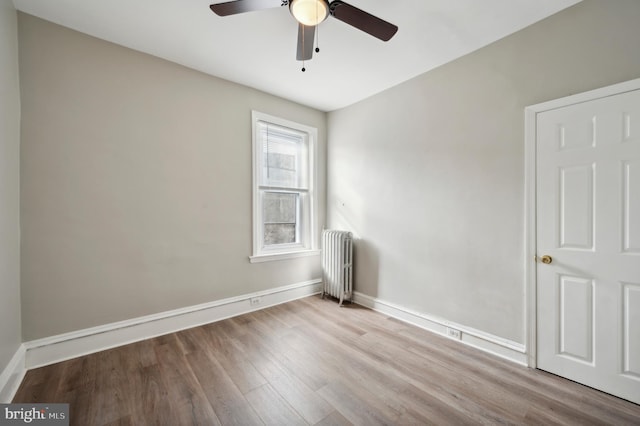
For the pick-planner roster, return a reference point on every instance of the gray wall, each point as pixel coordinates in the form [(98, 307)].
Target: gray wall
[(136, 183), (10, 338), (430, 174)]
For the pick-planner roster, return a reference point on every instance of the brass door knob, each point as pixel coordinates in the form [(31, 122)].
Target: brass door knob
[(546, 259)]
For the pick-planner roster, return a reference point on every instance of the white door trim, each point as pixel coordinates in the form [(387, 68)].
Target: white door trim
[(530, 117)]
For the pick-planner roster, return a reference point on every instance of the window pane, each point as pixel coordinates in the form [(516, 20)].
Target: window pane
[(280, 213), (284, 157)]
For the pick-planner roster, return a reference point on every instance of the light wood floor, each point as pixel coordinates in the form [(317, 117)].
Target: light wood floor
[(310, 362)]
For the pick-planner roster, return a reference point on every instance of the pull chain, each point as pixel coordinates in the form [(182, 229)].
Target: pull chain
[(303, 44), (317, 30), (317, 40)]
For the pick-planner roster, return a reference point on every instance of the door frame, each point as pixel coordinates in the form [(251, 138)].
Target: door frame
[(530, 181)]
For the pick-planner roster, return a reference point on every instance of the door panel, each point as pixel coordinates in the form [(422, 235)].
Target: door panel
[(577, 134), (631, 336), (588, 221), (576, 207), (576, 318), (631, 206)]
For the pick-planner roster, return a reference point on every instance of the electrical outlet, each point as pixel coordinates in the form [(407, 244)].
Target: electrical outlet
[(453, 333), (255, 301)]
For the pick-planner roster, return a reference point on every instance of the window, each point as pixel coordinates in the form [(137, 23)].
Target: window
[(283, 188)]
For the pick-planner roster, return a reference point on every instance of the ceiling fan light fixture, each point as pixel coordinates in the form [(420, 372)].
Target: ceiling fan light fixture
[(309, 12)]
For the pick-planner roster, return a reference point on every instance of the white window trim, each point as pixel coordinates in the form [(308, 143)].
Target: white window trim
[(293, 251)]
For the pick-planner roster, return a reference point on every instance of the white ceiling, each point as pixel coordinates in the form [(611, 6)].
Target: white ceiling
[(258, 49)]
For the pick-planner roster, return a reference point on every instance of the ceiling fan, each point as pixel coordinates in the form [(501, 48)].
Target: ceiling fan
[(309, 13)]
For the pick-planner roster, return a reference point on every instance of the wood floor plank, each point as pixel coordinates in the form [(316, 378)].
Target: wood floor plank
[(423, 408), (293, 389), (381, 375), (233, 360), (311, 374), (229, 404), (272, 409), (44, 383), (311, 362), (286, 314), (185, 394), (358, 369), (285, 381), (122, 421), (111, 381), (138, 355), (152, 398), (301, 397), (335, 419), (267, 324), (357, 405), (307, 403), (76, 373), (416, 366), (529, 385)]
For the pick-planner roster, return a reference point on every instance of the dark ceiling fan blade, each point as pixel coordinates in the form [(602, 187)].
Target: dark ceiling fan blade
[(242, 6), (362, 20), (305, 42)]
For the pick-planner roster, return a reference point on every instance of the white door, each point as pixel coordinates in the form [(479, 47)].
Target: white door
[(588, 223)]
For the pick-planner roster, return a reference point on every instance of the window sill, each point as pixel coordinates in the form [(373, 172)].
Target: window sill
[(283, 256)]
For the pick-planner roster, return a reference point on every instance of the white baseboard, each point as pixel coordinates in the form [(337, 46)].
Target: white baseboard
[(495, 345), (65, 346), (49, 350), (12, 375)]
